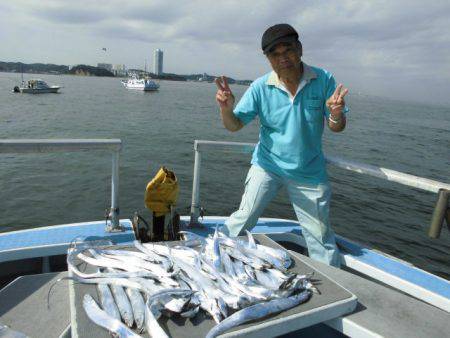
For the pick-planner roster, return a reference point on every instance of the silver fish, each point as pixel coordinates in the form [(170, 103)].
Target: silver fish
[(280, 254), (250, 271), (281, 257), (200, 279), (227, 264), (253, 253), (152, 310), (241, 274), (134, 283), (152, 313), (157, 269), (255, 262), (192, 308), (101, 318), (190, 313), (216, 250), (251, 241), (210, 306), (107, 301), (128, 253), (138, 306), (242, 293), (258, 311), (102, 261), (123, 303), (129, 271), (265, 280), (283, 279), (174, 304), (273, 261), (153, 256)]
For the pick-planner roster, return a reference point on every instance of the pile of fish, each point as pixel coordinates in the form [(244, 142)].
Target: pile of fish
[(233, 280)]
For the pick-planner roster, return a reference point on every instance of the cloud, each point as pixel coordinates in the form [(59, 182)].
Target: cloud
[(64, 15), (163, 12), (383, 42), (127, 31)]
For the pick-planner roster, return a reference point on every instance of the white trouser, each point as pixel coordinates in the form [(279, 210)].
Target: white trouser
[(311, 204)]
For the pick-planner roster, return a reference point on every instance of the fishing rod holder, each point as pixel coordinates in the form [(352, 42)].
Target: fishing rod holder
[(441, 213)]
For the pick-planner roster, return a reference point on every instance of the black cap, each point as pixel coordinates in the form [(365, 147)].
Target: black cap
[(277, 34)]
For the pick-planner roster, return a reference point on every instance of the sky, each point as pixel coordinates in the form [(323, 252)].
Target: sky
[(398, 49)]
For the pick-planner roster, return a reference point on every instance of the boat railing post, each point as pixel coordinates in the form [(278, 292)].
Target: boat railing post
[(441, 213), (19, 146), (195, 205), (114, 211)]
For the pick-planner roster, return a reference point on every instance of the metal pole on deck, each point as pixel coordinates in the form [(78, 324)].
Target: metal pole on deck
[(441, 213), (195, 205), (114, 212)]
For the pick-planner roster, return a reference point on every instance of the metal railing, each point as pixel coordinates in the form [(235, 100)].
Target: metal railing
[(239, 147), (12, 146)]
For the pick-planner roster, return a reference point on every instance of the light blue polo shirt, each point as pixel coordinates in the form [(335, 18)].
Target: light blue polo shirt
[(291, 128)]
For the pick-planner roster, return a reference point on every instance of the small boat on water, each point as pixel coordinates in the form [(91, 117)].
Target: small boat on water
[(146, 85), (36, 86)]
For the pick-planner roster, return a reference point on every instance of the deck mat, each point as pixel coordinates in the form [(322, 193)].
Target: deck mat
[(334, 301), (24, 308)]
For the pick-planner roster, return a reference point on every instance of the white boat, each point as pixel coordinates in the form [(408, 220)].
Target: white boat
[(36, 86), (377, 295), (140, 84)]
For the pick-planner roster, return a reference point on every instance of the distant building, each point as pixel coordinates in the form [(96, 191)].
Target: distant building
[(204, 77), (120, 70), (158, 62), (106, 66)]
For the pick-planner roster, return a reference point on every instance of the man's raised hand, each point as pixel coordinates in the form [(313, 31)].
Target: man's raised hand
[(224, 96), (336, 103)]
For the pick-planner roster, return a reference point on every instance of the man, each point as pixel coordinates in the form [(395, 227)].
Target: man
[(292, 103)]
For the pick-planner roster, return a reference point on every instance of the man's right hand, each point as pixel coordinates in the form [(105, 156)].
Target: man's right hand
[(224, 96), (225, 99)]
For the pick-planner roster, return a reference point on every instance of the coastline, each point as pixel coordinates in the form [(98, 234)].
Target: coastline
[(86, 70)]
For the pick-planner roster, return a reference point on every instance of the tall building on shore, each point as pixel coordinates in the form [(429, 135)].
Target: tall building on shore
[(158, 62), (120, 70)]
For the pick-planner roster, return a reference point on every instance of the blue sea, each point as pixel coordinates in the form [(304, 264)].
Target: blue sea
[(159, 129)]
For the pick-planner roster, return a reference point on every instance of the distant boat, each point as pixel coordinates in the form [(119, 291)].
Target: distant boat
[(36, 86), (140, 84)]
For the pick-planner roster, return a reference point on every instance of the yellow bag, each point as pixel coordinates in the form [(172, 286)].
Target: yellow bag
[(162, 192)]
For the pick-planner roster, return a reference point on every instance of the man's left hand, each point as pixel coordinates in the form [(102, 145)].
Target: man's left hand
[(336, 103)]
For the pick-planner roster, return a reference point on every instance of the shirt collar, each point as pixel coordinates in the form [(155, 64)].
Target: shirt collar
[(308, 75)]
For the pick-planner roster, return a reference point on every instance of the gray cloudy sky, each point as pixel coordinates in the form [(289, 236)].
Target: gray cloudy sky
[(388, 48)]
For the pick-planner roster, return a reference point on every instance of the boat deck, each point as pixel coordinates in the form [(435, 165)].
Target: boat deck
[(24, 308), (380, 312), (55, 240)]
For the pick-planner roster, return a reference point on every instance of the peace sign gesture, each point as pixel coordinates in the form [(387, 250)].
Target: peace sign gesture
[(336, 103), (224, 96)]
